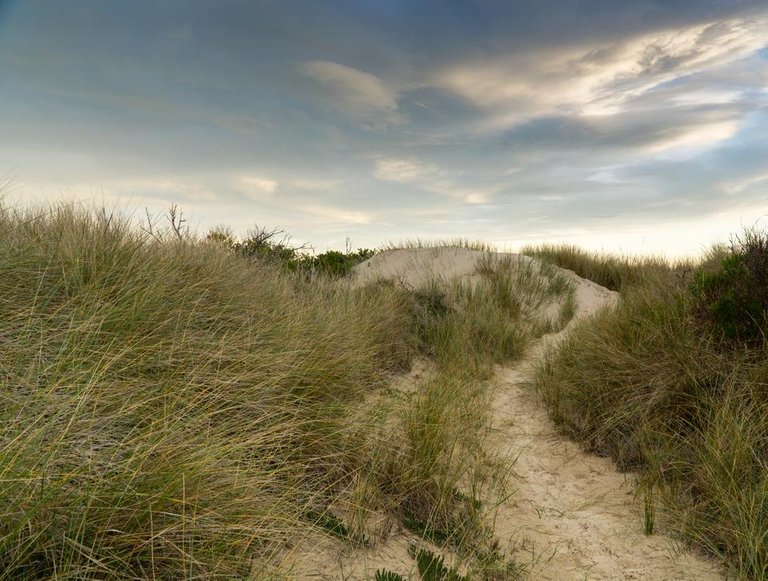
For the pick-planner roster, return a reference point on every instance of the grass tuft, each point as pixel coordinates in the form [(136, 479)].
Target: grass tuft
[(613, 272)]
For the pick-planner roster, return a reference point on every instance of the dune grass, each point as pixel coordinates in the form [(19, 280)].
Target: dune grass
[(168, 408), (456, 242), (614, 272), (172, 408), (659, 390)]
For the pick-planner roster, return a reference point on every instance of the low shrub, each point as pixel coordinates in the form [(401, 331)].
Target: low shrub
[(733, 298), (275, 246)]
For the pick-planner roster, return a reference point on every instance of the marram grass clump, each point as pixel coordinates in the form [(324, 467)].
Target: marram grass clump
[(170, 409), (613, 272)]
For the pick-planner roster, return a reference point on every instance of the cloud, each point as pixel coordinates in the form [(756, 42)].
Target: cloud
[(595, 78), (742, 184), (712, 96), (258, 186), (432, 178), (694, 138), (319, 185), (339, 215), (403, 170), (356, 93)]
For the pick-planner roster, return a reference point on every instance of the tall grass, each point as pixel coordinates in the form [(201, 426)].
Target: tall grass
[(169, 409), (172, 408), (656, 389), (456, 242), (611, 271), (491, 319)]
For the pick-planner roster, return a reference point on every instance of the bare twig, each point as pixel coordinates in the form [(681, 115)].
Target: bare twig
[(177, 221)]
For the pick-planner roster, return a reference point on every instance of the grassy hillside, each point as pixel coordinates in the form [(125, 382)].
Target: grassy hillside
[(174, 407), (167, 406), (674, 383)]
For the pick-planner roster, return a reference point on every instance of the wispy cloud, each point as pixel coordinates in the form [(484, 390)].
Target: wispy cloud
[(356, 93), (404, 170), (596, 78), (258, 185), (738, 186), (694, 138), (432, 178), (318, 185), (338, 215)]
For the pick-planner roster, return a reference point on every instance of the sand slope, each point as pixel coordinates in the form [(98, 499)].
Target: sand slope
[(573, 515)]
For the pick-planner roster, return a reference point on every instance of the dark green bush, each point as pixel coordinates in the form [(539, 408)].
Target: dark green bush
[(275, 246), (335, 263), (733, 298)]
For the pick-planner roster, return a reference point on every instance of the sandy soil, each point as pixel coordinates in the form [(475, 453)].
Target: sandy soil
[(415, 266), (573, 516)]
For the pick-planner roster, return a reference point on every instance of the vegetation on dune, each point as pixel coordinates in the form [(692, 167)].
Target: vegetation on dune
[(179, 406), (734, 297), (175, 406), (673, 383), (275, 246), (169, 408), (493, 320), (456, 242), (613, 272)]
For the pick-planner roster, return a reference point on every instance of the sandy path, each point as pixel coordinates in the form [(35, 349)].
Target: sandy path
[(573, 516)]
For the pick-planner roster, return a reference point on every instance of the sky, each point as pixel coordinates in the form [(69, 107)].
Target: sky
[(635, 126)]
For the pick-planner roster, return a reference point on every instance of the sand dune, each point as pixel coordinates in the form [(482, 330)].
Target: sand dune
[(573, 516)]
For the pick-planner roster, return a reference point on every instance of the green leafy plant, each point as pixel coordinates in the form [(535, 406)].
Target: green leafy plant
[(432, 567), (385, 575), (328, 522), (274, 245), (334, 263)]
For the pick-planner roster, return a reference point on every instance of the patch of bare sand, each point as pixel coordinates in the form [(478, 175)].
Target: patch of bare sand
[(415, 266), (573, 516)]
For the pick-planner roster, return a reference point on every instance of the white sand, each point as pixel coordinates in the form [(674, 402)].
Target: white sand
[(573, 515), (415, 266)]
